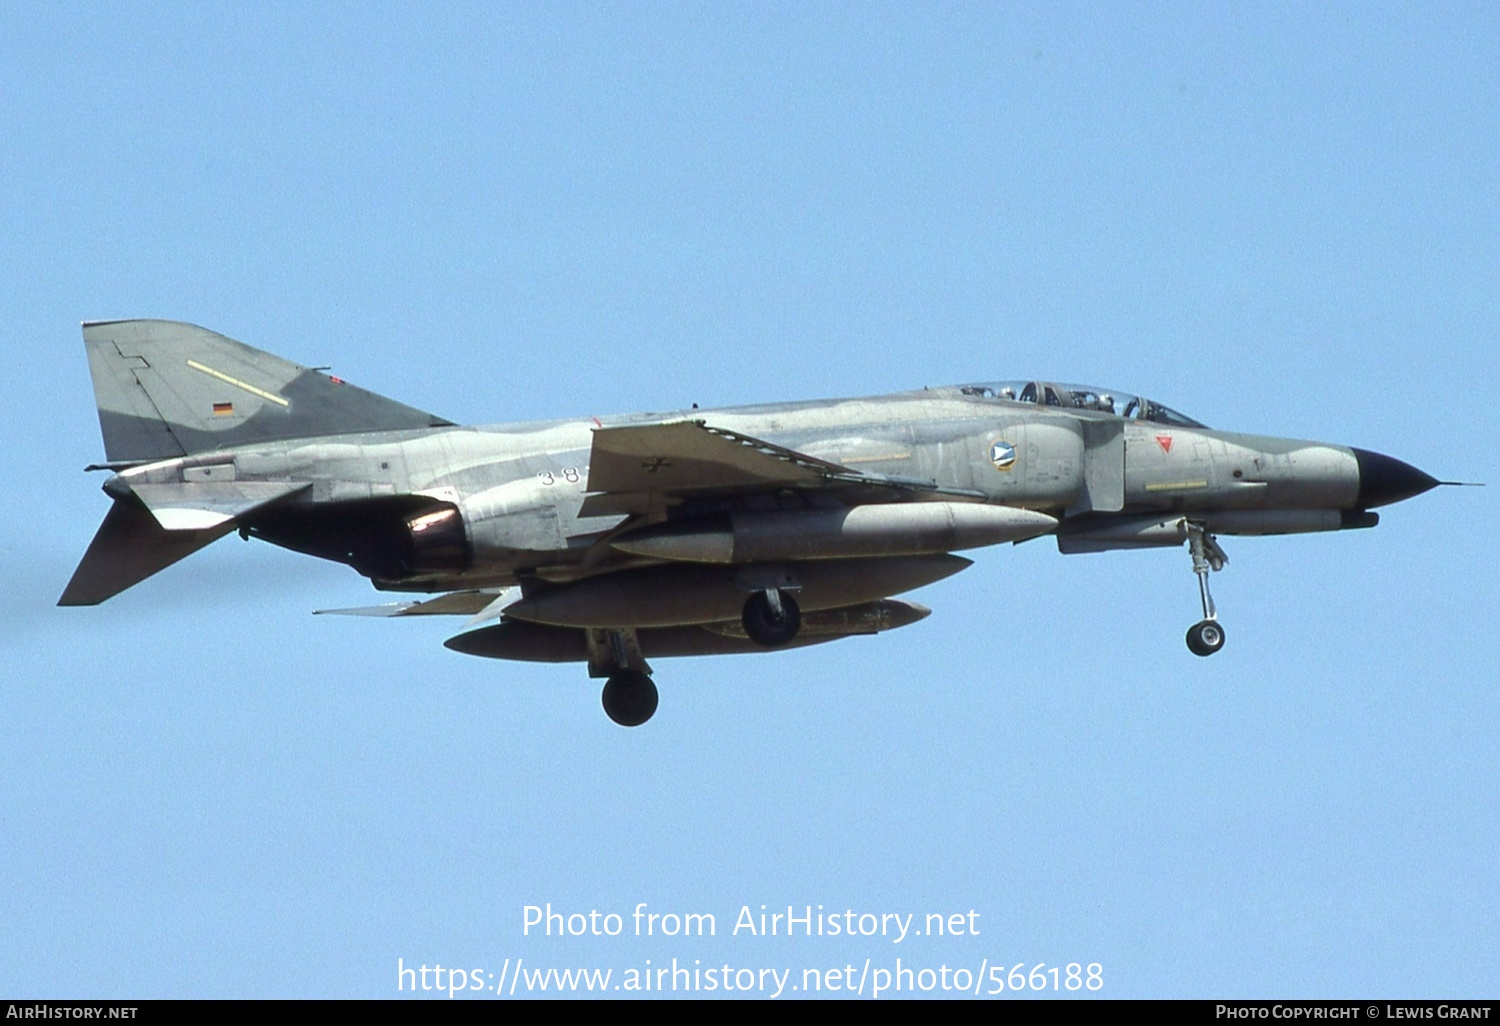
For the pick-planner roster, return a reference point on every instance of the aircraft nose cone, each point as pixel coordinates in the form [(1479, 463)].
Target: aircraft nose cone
[(1384, 480)]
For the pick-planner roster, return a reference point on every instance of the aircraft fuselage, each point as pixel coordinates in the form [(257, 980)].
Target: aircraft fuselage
[(696, 532)]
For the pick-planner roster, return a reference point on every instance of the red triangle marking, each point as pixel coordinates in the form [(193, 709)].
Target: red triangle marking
[(1165, 441)]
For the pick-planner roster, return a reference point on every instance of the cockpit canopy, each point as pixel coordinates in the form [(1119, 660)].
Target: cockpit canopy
[(1080, 397)]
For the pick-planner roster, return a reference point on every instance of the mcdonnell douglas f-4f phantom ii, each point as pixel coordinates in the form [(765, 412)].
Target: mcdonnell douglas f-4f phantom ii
[(610, 541)]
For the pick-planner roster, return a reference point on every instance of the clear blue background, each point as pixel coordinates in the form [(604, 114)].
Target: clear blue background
[(1279, 219)]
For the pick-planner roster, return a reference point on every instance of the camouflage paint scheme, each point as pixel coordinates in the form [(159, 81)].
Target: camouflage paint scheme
[(608, 540)]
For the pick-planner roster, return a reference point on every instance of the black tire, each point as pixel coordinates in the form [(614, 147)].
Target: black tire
[(766, 628), (629, 698), (1205, 637)]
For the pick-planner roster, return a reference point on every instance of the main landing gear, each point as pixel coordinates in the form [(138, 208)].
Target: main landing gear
[(629, 695), (771, 617), (629, 698), (1205, 637)]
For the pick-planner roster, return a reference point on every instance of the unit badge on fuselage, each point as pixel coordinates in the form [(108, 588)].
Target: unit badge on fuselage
[(1003, 455)]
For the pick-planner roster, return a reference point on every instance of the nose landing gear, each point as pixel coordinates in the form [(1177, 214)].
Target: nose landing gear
[(1207, 636)]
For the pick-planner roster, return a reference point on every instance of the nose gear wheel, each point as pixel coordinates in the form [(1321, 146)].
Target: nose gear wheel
[(1205, 637)]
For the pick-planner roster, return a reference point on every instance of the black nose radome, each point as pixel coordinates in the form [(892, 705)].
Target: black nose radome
[(1383, 480)]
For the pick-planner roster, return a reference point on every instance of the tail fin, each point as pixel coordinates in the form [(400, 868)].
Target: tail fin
[(166, 389)]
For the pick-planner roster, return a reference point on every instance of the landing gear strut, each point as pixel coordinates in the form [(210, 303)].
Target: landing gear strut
[(629, 698), (1207, 636), (771, 617)]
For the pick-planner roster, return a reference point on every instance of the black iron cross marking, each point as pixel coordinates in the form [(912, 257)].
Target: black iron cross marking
[(654, 464)]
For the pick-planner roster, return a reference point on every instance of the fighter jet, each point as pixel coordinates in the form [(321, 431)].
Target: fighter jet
[(613, 540)]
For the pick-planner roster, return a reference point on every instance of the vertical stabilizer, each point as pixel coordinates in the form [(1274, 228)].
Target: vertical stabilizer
[(166, 389)]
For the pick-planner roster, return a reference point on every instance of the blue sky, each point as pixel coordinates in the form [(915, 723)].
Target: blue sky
[(1279, 219)]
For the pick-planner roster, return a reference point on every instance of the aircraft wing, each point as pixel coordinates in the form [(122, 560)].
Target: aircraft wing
[(689, 456), (640, 467), (455, 603)]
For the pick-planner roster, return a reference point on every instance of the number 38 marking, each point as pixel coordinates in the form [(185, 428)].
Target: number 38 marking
[(568, 474)]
